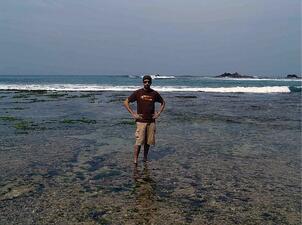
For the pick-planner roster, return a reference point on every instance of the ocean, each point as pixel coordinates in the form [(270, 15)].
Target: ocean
[(228, 151), (163, 84)]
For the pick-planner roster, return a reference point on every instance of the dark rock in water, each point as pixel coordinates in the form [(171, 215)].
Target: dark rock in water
[(290, 76), (233, 75)]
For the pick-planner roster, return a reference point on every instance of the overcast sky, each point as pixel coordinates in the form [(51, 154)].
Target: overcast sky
[(196, 37)]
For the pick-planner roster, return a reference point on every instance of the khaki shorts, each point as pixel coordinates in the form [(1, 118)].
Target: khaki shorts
[(145, 133)]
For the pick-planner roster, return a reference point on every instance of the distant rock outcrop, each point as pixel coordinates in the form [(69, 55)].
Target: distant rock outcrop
[(293, 76), (233, 75)]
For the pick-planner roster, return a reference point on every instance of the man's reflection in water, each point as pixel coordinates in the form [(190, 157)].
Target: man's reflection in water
[(144, 192)]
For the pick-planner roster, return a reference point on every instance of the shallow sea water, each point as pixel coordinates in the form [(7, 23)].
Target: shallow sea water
[(66, 158)]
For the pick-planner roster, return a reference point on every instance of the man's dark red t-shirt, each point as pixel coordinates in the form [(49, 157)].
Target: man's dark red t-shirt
[(145, 103)]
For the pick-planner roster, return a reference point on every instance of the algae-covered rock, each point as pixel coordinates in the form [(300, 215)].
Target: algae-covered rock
[(10, 192)]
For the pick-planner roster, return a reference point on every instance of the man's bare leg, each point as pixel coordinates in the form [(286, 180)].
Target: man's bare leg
[(146, 150), (137, 149)]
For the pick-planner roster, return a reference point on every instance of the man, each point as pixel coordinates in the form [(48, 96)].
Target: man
[(145, 116)]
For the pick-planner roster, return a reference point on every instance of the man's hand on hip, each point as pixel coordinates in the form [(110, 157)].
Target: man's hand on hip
[(155, 115), (136, 116)]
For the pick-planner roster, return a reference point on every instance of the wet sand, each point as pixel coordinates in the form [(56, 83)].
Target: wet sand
[(66, 158)]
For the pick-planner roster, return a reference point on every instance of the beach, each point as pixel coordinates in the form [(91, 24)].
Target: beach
[(220, 158)]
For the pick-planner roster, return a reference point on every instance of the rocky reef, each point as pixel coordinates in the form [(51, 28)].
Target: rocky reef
[(293, 76), (233, 75)]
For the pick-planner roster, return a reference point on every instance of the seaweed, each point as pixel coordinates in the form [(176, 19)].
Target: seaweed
[(27, 125), (86, 95), (82, 120), (126, 122), (20, 124), (22, 95), (56, 95), (186, 96), (38, 92), (8, 118)]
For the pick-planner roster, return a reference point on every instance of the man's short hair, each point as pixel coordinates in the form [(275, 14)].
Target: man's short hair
[(147, 77)]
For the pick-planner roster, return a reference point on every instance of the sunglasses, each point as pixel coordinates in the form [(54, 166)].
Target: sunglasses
[(149, 82)]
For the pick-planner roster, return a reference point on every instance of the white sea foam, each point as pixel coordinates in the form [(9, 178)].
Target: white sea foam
[(163, 77), (273, 89), (156, 76), (253, 79), (81, 87), (66, 87)]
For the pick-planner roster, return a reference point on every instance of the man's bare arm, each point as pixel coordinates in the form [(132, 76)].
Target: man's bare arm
[(162, 107), (127, 106)]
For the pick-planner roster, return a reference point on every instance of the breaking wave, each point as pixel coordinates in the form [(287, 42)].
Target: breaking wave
[(81, 87)]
